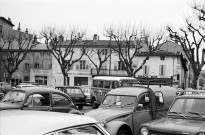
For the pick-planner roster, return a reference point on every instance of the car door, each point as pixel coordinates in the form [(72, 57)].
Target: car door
[(141, 113), (61, 103), (38, 101)]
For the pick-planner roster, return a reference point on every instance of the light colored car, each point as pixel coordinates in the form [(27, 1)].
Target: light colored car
[(22, 122), (186, 116), (125, 108)]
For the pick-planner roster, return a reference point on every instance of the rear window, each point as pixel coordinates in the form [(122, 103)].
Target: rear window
[(73, 90)]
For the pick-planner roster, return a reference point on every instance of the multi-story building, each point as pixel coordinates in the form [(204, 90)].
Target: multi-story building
[(41, 67), (36, 67), (169, 63)]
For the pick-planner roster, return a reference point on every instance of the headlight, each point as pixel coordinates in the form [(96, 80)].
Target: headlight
[(201, 133), (144, 131)]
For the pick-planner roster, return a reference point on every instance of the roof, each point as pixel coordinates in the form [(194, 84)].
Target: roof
[(24, 122), (7, 21), (137, 90), (36, 89), (113, 78)]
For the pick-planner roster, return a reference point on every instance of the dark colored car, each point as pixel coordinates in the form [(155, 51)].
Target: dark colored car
[(38, 98), (75, 93), (186, 116)]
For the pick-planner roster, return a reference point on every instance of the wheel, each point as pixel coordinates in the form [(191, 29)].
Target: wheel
[(123, 132), (94, 103), (80, 107)]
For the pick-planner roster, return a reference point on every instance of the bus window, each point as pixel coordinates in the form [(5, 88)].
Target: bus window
[(107, 84), (114, 84), (100, 84), (95, 83)]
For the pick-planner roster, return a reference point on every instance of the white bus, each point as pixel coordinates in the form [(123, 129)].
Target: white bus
[(103, 84)]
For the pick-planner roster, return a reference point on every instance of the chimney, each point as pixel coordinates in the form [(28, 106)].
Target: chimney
[(19, 27), (26, 30), (9, 19), (95, 37)]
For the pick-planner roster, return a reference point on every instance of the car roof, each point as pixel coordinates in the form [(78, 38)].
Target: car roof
[(192, 96), (113, 78), (137, 90), (24, 122), (36, 89), (67, 87)]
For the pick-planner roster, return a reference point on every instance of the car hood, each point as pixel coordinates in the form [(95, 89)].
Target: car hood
[(177, 125), (6, 106), (106, 114)]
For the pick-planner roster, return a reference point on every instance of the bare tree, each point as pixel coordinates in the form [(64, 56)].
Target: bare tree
[(129, 44), (14, 46), (62, 46), (102, 56), (191, 40)]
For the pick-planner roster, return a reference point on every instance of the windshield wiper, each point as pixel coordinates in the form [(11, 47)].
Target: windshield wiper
[(178, 114), (199, 114)]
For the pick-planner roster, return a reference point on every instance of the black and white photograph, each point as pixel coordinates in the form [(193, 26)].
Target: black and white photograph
[(102, 67)]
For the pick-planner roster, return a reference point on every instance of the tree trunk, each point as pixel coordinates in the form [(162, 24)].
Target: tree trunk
[(196, 75)]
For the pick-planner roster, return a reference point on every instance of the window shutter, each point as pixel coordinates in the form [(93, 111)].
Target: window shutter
[(77, 66), (160, 69), (147, 70), (164, 69)]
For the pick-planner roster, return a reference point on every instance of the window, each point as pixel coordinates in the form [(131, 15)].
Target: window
[(73, 91), (95, 83), (26, 78), (100, 84), (120, 66), (161, 69), (107, 84), (162, 58), (27, 66), (159, 99), (82, 64), (36, 65), (146, 70), (60, 100), (85, 130), (41, 80), (143, 102), (38, 99), (104, 51)]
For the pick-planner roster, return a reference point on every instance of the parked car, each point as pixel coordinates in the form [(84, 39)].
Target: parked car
[(22, 122), (75, 93), (124, 109), (38, 98), (86, 90), (186, 116), (4, 88)]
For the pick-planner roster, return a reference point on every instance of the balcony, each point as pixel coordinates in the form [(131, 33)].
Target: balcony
[(107, 72)]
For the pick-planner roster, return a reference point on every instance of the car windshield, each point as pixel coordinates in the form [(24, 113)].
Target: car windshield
[(188, 107), (15, 97), (118, 100)]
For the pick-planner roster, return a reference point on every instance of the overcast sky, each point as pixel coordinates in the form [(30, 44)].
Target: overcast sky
[(95, 15)]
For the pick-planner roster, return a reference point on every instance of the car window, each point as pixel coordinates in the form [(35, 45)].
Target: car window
[(143, 102), (107, 84), (73, 90), (38, 99), (117, 100), (86, 130), (159, 99), (60, 100), (15, 97)]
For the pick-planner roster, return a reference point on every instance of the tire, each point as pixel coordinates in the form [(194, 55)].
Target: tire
[(80, 107), (123, 132), (94, 103)]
